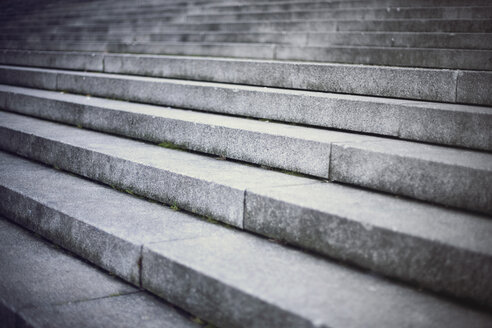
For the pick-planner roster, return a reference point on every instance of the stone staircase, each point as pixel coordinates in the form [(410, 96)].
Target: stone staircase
[(256, 164)]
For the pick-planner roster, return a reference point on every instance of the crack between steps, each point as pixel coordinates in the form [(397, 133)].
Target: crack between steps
[(456, 74), (140, 266), (330, 162), (79, 301)]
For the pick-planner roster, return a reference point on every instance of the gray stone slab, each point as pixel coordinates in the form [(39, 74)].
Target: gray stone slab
[(379, 39), (426, 84), (43, 286), (352, 13), (418, 25), (437, 174), (451, 177), (237, 50), (410, 57), (133, 310), (308, 5), (80, 61), (109, 234), (441, 249), (284, 146), (35, 273), (242, 281), (457, 125), (423, 84), (402, 39), (197, 183), (474, 87), (30, 78)]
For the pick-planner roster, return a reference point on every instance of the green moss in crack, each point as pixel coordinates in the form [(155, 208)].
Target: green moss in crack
[(170, 145), (174, 207)]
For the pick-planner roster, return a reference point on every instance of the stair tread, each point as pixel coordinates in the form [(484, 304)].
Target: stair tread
[(450, 124), (218, 188), (400, 167), (45, 286), (419, 83), (227, 263)]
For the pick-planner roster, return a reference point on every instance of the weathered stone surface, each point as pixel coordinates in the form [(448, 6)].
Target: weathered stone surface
[(287, 147), (231, 284), (418, 25), (363, 13), (197, 183), (451, 177), (425, 84), (36, 274), (402, 39), (404, 168), (133, 310), (414, 57), (474, 88), (417, 57), (34, 78), (442, 249), (239, 280), (294, 5), (109, 234), (466, 126), (67, 60), (43, 286)]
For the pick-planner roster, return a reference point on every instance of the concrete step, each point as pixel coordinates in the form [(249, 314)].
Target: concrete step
[(68, 37), (314, 5), (421, 84), (396, 25), (179, 15), (390, 56), (102, 19), (359, 13), (179, 252), (254, 137), (454, 125), (44, 286), (402, 168), (71, 16), (84, 12), (377, 39)]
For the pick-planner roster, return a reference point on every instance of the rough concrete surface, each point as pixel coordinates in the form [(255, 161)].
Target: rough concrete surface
[(43, 286), (442, 249)]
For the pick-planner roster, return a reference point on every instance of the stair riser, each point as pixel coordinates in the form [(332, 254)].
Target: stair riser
[(443, 41), (420, 172), (172, 266), (422, 25), (363, 14), (450, 126), (100, 166), (408, 57), (300, 5), (248, 145), (423, 84), (392, 250)]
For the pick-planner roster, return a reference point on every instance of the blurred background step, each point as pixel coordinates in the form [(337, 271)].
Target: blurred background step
[(479, 41), (462, 59)]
